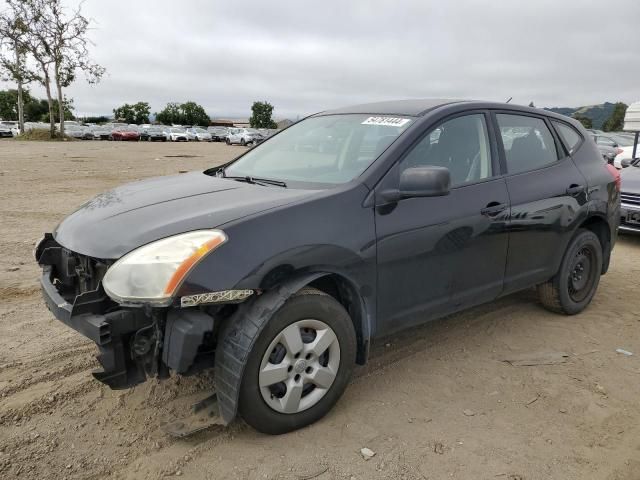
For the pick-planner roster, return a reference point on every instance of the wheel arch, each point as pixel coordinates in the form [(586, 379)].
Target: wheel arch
[(239, 332), (599, 225)]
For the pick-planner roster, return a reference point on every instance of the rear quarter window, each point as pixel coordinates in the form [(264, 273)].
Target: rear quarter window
[(569, 135)]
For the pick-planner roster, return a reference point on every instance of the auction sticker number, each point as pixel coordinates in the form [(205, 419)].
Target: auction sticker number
[(386, 121)]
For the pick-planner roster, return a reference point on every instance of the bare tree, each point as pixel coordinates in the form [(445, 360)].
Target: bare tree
[(70, 49), (37, 43), (58, 44), (13, 32)]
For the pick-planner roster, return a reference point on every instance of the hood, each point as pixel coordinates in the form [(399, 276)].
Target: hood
[(120, 220), (630, 179)]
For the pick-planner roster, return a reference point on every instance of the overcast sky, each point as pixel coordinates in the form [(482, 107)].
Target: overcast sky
[(306, 56)]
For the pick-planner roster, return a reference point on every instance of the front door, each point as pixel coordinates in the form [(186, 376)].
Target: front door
[(437, 255)]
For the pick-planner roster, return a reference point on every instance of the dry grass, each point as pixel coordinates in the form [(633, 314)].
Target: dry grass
[(42, 136)]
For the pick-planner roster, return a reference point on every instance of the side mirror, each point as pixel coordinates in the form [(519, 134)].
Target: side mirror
[(419, 182), (425, 182), (625, 163)]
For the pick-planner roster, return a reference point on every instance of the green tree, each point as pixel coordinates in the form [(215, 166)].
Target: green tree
[(170, 114), (261, 115), (194, 114), (189, 113), (100, 119), (616, 121), (137, 113), (585, 121), (9, 103), (67, 107)]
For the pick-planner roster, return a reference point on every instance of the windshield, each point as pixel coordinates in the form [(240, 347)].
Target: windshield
[(329, 149), (177, 130)]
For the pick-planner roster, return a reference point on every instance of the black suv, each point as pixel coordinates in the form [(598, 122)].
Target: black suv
[(280, 267)]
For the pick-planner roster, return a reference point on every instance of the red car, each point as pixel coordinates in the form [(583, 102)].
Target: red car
[(125, 134)]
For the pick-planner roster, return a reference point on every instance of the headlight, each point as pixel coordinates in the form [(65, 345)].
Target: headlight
[(153, 273)]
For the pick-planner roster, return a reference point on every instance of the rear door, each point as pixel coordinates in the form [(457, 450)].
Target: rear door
[(437, 255), (548, 196)]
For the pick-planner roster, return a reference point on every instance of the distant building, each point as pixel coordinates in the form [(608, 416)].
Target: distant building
[(229, 122)]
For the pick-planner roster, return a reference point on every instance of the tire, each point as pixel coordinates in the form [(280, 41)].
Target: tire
[(242, 142), (228, 141), (264, 407), (571, 290)]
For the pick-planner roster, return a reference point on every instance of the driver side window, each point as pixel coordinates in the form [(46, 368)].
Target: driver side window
[(460, 144)]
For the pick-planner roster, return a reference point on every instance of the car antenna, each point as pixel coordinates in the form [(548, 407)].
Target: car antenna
[(510, 98)]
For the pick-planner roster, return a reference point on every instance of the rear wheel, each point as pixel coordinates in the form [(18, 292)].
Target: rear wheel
[(242, 142), (299, 365), (575, 284), (228, 141)]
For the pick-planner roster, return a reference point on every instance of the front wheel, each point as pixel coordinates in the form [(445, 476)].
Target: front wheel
[(300, 364), (575, 284), (228, 142)]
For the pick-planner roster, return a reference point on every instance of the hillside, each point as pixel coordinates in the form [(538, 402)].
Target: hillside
[(597, 113)]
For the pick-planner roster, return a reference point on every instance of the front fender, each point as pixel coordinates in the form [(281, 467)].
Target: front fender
[(239, 335)]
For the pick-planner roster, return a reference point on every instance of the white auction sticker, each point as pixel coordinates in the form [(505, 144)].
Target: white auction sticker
[(386, 121)]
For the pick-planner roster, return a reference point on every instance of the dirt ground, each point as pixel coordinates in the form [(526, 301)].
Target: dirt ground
[(436, 402)]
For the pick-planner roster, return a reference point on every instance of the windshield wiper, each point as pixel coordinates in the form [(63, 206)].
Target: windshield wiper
[(257, 181)]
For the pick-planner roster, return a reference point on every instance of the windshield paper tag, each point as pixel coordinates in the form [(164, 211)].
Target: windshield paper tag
[(386, 121)]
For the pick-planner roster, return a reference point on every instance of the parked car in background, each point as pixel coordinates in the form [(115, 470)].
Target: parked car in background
[(199, 134), (608, 152), (5, 129), (630, 196), (280, 268), (127, 133), (243, 136), (625, 153), (218, 134), (178, 134), (619, 142), (76, 131), (144, 135), (101, 132), (156, 134)]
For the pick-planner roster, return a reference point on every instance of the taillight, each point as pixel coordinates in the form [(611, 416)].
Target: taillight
[(615, 174)]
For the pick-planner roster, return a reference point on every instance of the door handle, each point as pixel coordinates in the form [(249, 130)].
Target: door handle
[(493, 209), (574, 190)]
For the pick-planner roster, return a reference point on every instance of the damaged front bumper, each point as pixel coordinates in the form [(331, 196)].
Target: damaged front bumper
[(134, 342)]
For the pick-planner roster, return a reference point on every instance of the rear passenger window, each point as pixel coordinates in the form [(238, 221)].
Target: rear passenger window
[(460, 144), (527, 141), (569, 135)]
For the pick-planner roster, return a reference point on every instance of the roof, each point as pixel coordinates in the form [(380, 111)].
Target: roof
[(416, 107)]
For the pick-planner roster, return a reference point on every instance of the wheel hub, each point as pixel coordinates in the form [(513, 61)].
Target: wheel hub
[(581, 274), (299, 366)]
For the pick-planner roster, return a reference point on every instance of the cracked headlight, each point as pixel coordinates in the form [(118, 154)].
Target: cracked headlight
[(154, 272)]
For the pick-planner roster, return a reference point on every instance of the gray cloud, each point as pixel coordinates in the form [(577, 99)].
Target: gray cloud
[(307, 56)]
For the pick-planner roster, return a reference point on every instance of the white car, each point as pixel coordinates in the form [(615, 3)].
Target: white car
[(199, 134), (625, 154), (178, 134), (5, 130), (244, 136)]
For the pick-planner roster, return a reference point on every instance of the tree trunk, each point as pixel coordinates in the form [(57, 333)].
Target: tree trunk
[(52, 118), (20, 99), (60, 106)]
